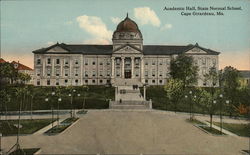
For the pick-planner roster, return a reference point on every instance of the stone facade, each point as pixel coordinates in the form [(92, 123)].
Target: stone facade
[(126, 62)]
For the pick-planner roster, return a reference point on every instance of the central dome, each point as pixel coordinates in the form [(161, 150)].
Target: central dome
[(127, 25)]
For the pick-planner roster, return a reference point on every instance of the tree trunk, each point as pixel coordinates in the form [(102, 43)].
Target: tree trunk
[(211, 120)]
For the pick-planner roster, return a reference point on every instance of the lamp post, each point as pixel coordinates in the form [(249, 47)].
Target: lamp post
[(190, 104), (71, 111), (190, 110), (221, 96), (59, 100)]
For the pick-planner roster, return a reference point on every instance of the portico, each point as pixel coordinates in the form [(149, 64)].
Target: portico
[(127, 68)]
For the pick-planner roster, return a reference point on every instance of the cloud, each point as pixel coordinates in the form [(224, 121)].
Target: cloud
[(97, 41), (115, 20), (95, 27), (145, 15), (166, 26)]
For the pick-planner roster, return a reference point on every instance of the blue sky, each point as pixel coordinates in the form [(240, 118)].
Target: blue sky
[(29, 25)]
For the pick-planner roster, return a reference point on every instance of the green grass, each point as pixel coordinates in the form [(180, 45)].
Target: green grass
[(27, 126), (95, 98), (30, 151), (239, 129), (63, 126), (195, 121), (212, 130)]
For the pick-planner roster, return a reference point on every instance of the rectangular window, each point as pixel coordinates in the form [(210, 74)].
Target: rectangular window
[(57, 82), (153, 62), (57, 61), (108, 73), (66, 61), (136, 61), (38, 61), (93, 73), (100, 73), (108, 62), (76, 62), (86, 74), (86, 81), (76, 81), (66, 81), (38, 72), (108, 81), (48, 61), (76, 72), (118, 61), (93, 63), (86, 62), (101, 63), (101, 81), (48, 82), (153, 72), (160, 62), (160, 81), (153, 81), (48, 72), (160, 73), (66, 72), (38, 82), (57, 72), (146, 73), (146, 81), (93, 81), (146, 62)]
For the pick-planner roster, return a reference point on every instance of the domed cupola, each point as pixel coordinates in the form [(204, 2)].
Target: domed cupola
[(127, 32)]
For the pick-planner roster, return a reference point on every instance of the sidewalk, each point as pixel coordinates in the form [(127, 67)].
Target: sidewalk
[(41, 131)]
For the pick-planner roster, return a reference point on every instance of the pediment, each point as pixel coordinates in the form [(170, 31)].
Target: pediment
[(196, 50), (57, 49), (127, 50)]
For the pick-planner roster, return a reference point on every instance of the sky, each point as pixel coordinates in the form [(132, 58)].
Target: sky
[(29, 25)]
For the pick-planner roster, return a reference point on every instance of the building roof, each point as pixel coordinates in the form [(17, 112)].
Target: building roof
[(127, 25), (245, 73), (21, 66), (2, 60), (108, 49)]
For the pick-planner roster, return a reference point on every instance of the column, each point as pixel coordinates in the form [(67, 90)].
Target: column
[(81, 70), (123, 67), (142, 69), (113, 67), (144, 93), (132, 66), (53, 67), (44, 63)]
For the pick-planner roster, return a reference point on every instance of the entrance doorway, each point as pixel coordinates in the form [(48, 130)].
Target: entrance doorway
[(127, 74)]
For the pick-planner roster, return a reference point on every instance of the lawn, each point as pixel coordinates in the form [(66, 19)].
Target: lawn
[(195, 121), (63, 126), (27, 126), (212, 130), (239, 129)]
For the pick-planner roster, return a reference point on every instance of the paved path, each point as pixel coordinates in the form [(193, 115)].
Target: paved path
[(43, 130), (133, 132)]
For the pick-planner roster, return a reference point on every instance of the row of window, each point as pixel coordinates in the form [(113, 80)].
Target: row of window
[(153, 81), (118, 62), (66, 81), (66, 62)]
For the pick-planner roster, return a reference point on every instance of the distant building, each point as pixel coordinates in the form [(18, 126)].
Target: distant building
[(24, 69), (126, 62), (245, 79)]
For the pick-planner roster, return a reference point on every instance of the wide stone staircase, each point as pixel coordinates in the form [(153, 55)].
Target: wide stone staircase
[(129, 97)]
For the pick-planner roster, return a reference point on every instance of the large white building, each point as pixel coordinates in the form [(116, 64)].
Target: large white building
[(126, 62)]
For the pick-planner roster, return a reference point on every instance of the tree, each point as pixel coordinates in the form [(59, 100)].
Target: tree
[(174, 90), (24, 77), (8, 72), (184, 69), (229, 81)]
